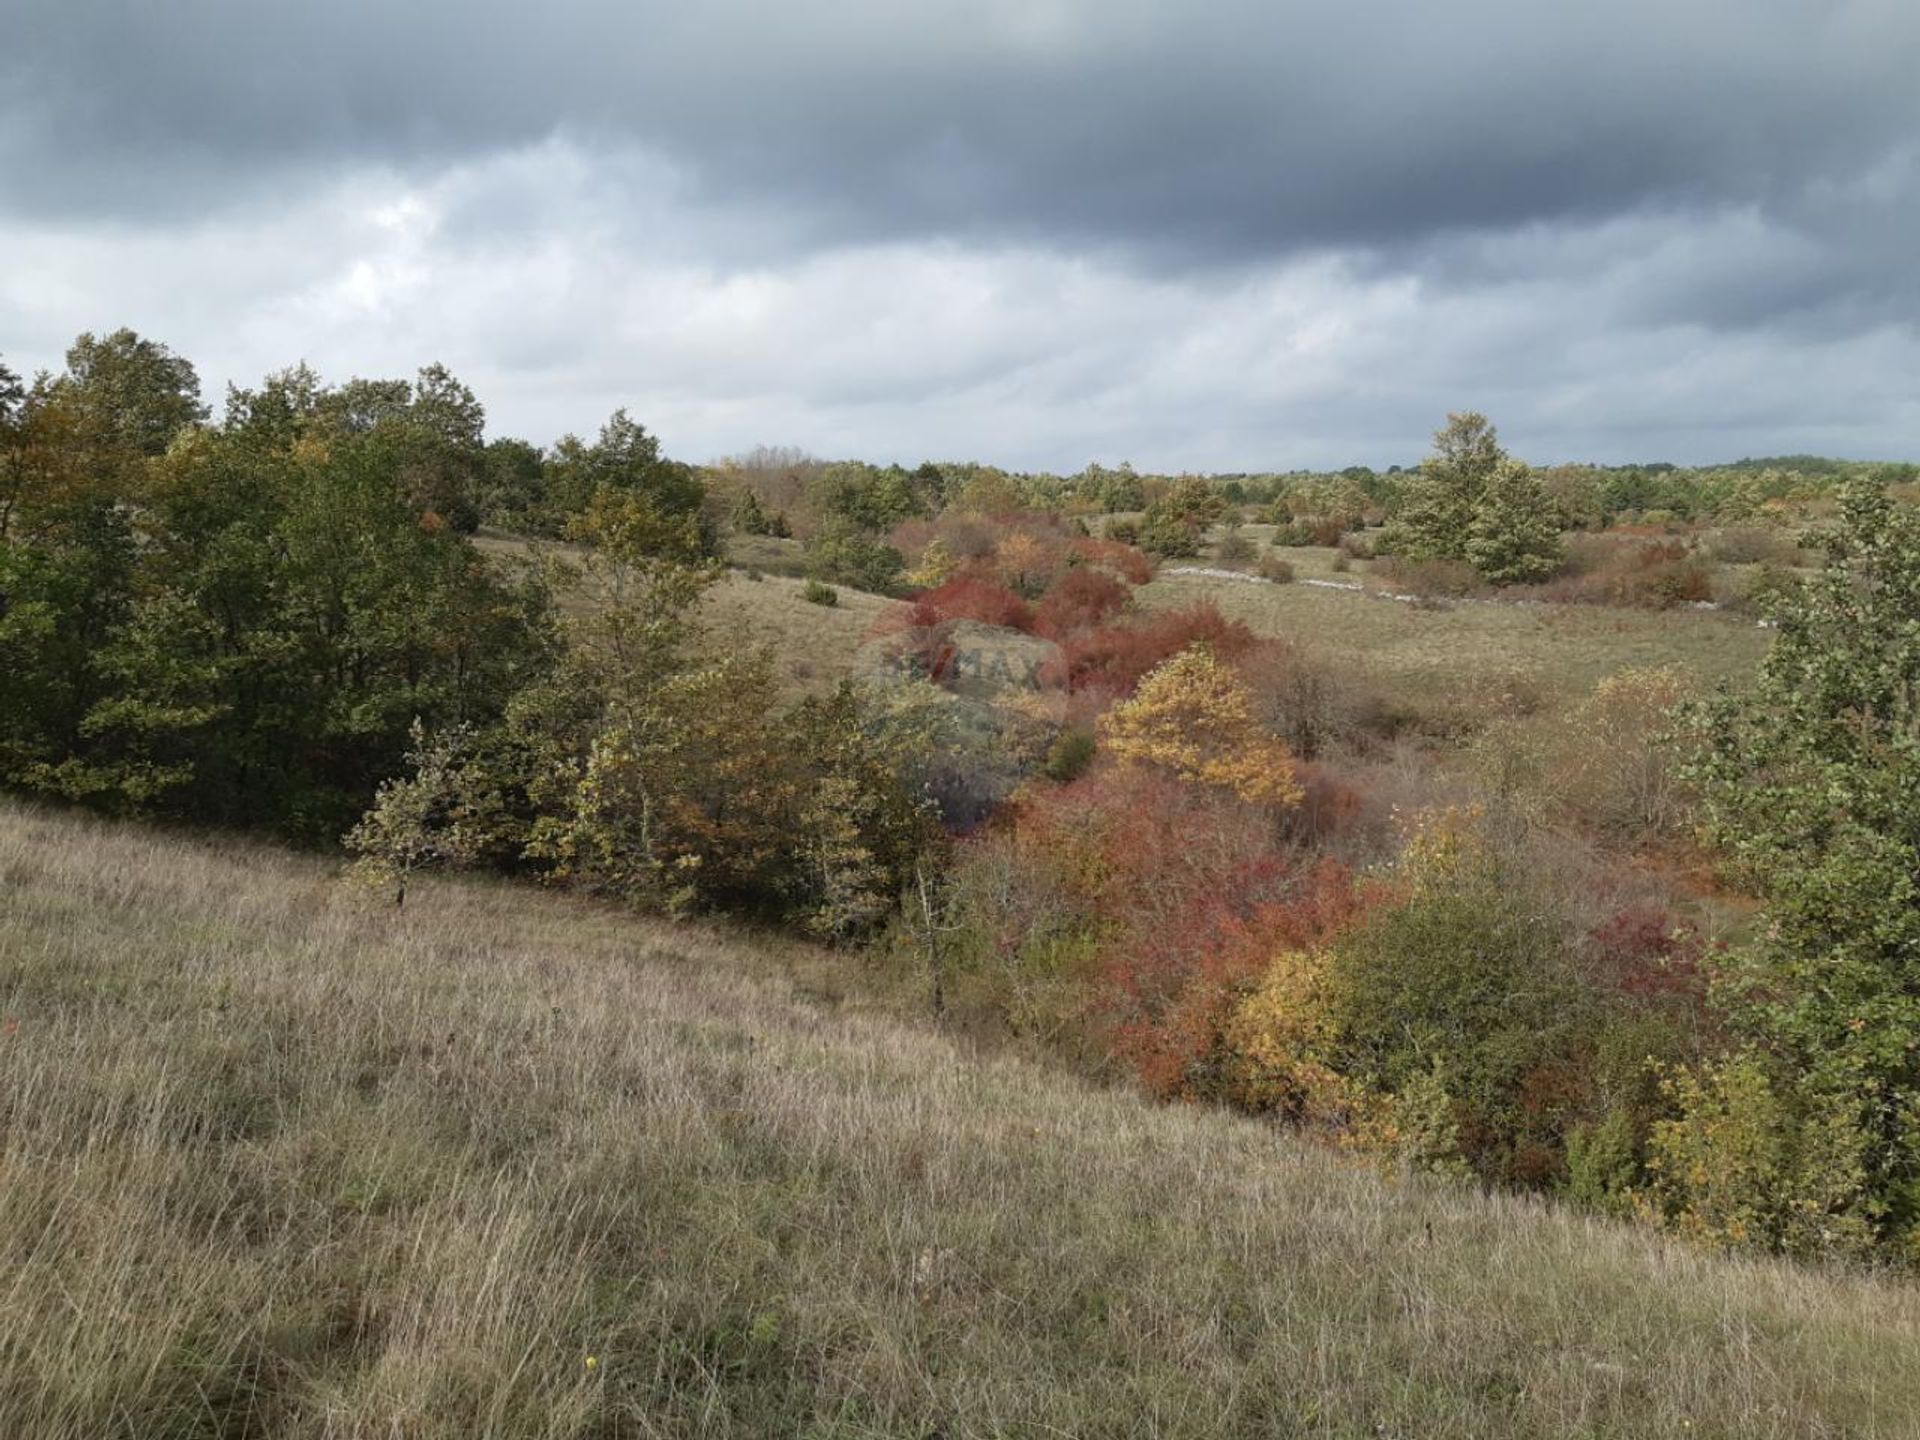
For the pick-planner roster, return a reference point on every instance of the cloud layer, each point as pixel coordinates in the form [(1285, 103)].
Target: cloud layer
[(1036, 232)]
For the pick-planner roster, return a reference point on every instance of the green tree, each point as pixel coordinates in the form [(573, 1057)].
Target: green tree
[(133, 394), (431, 817), (842, 554), (1437, 502), (626, 460), (1514, 535), (1811, 785), (513, 484)]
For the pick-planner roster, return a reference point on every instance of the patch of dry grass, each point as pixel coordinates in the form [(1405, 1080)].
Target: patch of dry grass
[(277, 1163), (815, 646), (1471, 655)]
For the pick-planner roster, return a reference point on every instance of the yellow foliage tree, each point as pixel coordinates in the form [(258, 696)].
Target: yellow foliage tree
[(1278, 1035), (1192, 717)]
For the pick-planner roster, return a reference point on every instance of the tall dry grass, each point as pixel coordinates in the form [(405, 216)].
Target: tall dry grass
[(276, 1162)]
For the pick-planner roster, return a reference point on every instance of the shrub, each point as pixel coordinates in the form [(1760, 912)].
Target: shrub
[(814, 592), (1607, 766), (1112, 659), (1305, 700), (967, 598), (1083, 599), (1168, 534), (1752, 545), (1069, 756), (841, 555), (1624, 570), (1748, 1162), (1273, 568), (1192, 717), (1463, 984), (1233, 549), (1129, 563)]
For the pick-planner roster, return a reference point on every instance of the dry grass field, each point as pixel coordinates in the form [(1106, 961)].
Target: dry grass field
[(1468, 652), (281, 1161)]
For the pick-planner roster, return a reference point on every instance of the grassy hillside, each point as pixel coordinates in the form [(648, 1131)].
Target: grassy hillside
[(279, 1161)]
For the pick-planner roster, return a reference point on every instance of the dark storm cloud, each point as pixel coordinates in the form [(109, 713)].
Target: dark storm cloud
[(1176, 131), (1220, 233)]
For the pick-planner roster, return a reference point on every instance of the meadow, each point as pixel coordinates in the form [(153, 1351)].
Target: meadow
[(279, 1159), (1444, 653)]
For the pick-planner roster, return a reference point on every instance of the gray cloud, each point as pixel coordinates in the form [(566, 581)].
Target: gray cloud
[(1234, 128), (1235, 234)]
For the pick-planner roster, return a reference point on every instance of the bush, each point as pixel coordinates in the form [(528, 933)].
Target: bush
[(1111, 660), (1615, 569), (841, 555), (1168, 534), (1308, 702), (815, 592), (1463, 985), (1084, 599), (1130, 564), (1233, 549), (1752, 545), (1069, 756), (966, 598), (1747, 1162), (1273, 568)]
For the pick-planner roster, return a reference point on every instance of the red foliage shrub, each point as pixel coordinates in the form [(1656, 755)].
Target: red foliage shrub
[(1171, 991), (1083, 598), (1130, 563), (1112, 659), (1184, 894), (966, 597), (1645, 951)]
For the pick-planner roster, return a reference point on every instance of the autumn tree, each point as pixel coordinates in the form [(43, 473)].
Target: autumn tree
[(1193, 718)]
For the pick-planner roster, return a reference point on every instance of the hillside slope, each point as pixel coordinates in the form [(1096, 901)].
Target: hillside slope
[(280, 1161)]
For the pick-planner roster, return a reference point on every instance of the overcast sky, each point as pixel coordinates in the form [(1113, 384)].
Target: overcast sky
[(1217, 234)]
